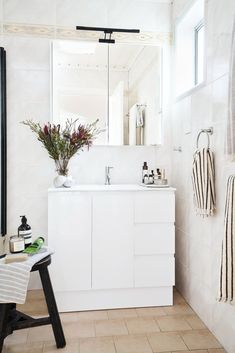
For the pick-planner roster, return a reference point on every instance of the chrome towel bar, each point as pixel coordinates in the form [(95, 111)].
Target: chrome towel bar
[(208, 132)]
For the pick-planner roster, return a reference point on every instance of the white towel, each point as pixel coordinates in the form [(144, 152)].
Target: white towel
[(227, 271), (136, 124), (230, 139), (132, 125), (14, 278), (140, 115), (203, 179)]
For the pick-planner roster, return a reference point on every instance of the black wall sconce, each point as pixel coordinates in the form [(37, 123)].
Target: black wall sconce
[(107, 31)]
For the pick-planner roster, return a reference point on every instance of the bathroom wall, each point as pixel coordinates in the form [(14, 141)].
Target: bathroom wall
[(198, 240), (30, 171)]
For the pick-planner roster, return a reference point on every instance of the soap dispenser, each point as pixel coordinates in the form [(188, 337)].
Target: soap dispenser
[(144, 172), (25, 231)]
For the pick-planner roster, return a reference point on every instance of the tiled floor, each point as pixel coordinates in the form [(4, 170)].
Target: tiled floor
[(175, 329)]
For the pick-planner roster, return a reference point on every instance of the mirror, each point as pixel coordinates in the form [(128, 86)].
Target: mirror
[(119, 84)]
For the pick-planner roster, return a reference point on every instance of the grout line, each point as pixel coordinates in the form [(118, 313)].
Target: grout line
[(147, 336), (184, 341), (114, 344)]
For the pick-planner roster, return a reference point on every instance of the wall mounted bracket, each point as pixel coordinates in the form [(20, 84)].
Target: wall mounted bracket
[(107, 31)]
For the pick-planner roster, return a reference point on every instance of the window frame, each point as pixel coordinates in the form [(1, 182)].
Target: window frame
[(197, 29), (179, 96)]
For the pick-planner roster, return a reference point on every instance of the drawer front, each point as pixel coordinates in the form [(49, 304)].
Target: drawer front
[(154, 271), (154, 207), (150, 239)]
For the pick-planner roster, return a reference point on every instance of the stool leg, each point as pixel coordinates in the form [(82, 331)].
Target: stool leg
[(4, 315), (52, 307)]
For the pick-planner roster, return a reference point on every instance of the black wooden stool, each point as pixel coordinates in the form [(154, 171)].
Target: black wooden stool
[(12, 319)]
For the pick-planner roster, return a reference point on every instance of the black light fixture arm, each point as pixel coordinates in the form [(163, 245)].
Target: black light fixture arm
[(107, 31)]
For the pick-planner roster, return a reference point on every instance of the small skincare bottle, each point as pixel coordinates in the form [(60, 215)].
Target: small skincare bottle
[(144, 171), (146, 179), (25, 231), (151, 177), (16, 244)]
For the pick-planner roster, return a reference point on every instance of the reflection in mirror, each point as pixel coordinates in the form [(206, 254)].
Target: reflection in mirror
[(118, 84)]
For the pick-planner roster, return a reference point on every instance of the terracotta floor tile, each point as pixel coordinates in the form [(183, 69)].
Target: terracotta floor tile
[(179, 309), (69, 317), (132, 344), (97, 345), (178, 299), (152, 311), (197, 351), (35, 294), (132, 330), (141, 325), (110, 328), (41, 333), (195, 322), (72, 346), (166, 342), (171, 323), (26, 348), (17, 337), (35, 304), (79, 329), (200, 340), (121, 313), (216, 350), (92, 315)]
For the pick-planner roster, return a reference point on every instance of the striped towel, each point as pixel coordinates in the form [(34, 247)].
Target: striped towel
[(14, 278), (203, 179), (227, 273), (230, 138)]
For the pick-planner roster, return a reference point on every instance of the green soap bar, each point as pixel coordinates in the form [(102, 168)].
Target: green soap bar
[(35, 247)]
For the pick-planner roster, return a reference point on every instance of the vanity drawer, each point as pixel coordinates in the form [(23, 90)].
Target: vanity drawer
[(154, 271), (154, 207), (150, 239)]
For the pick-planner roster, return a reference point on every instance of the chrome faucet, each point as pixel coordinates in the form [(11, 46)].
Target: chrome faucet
[(107, 175)]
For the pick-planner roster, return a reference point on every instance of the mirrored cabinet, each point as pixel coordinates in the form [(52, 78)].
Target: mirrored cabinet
[(119, 84)]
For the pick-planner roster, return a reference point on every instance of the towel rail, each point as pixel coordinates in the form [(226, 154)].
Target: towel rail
[(208, 132)]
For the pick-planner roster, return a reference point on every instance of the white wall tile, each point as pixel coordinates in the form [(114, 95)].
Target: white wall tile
[(1, 11), (201, 106), (198, 277), (178, 8), (29, 11), (219, 29), (147, 16), (27, 53), (220, 99), (82, 13), (28, 85)]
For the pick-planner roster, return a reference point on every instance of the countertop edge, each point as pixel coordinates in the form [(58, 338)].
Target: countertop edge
[(88, 188)]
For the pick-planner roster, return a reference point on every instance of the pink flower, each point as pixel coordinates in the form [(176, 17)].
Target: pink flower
[(45, 130)]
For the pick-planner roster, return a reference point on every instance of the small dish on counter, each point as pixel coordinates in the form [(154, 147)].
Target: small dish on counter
[(155, 186)]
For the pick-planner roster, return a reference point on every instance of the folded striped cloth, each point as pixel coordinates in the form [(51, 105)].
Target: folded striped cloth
[(14, 278), (227, 270), (203, 179)]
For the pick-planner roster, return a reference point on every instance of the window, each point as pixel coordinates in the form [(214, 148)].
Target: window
[(199, 53), (189, 49)]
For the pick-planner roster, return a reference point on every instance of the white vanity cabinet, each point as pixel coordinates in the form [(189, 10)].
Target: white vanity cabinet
[(112, 240), (114, 246), (70, 237)]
